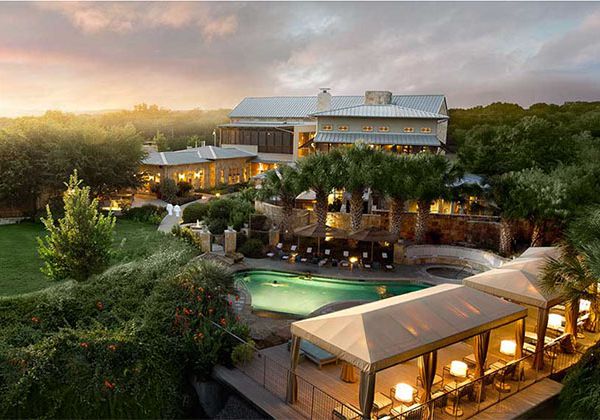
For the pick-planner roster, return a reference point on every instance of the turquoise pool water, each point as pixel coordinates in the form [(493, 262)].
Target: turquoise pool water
[(300, 295)]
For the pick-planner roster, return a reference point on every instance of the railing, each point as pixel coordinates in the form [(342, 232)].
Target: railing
[(471, 397), (312, 402)]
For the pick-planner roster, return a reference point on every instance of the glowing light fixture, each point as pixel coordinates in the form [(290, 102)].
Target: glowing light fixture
[(555, 321), (404, 393), (353, 260), (458, 369), (508, 347), (584, 305)]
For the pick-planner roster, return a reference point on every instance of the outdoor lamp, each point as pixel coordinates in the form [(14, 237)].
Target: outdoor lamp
[(217, 195), (353, 260), (508, 347), (404, 393), (458, 369), (555, 321), (584, 305)]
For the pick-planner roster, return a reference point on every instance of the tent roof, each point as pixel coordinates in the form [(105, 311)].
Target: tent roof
[(518, 280), (381, 334)]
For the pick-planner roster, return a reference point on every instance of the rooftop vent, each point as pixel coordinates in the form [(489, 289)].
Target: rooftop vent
[(378, 97)]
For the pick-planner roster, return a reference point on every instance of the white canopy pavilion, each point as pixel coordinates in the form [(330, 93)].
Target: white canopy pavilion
[(518, 281), (382, 334)]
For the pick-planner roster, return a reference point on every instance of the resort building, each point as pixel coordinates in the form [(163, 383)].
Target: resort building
[(202, 167), (283, 129)]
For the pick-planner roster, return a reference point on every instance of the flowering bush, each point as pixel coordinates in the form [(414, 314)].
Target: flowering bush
[(121, 344)]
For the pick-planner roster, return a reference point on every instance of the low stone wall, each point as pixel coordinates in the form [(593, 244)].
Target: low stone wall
[(452, 255), (11, 220), (275, 213)]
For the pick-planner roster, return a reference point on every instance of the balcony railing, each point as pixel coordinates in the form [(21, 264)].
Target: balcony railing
[(463, 401)]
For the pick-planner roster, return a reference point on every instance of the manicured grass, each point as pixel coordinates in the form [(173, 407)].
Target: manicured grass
[(20, 264)]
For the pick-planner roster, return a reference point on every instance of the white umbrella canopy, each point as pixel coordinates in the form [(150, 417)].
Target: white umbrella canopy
[(529, 265), (541, 252)]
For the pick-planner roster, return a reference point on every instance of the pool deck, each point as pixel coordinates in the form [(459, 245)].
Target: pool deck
[(409, 273)]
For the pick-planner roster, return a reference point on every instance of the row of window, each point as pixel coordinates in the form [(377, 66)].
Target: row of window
[(382, 129)]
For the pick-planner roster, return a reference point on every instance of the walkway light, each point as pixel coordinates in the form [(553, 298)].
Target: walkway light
[(584, 305), (508, 347), (404, 393), (458, 369)]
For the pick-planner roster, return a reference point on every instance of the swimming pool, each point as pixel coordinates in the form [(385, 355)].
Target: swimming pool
[(300, 295)]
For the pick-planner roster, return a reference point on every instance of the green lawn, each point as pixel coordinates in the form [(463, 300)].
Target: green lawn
[(20, 263)]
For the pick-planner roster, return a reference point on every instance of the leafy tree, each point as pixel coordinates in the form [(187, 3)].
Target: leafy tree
[(430, 179), (397, 183), (162, 144), (168, 190), (320, 172), (78, 245), (360, 166), (283, 182)]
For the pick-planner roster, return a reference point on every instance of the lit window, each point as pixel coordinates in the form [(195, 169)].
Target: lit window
[(367, 128), (343, 128), (384, 129), (408, 129), (425, 130), (327, 127)]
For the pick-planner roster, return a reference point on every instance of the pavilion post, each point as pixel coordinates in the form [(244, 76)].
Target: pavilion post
[(366, 393), (542, 325), (291, 394), (427, 367), (481, 344)]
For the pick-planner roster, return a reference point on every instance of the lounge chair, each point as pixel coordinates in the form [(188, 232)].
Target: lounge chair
[(365, 261), (276, 251), (345, 259), (345, 412), (315, 353), (308, 254), (386, 262), (326, 258), (288, 255)]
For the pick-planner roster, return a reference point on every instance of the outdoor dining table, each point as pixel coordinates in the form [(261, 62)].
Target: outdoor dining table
[(348, 374)]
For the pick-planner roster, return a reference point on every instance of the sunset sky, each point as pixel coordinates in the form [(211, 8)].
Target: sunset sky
[(97, 56)]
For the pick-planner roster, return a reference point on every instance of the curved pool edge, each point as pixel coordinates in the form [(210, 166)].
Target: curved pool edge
[(241, 269)]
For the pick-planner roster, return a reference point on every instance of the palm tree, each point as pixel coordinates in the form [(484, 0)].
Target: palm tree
[(570, 277), (359, 169), (319, 172), (431, 173), (396, 183), (283, 183)]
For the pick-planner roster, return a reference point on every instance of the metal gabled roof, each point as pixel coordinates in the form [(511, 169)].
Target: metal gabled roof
[(266, 124), (196, 155), (381, 111), (379, 138), (303, 106)]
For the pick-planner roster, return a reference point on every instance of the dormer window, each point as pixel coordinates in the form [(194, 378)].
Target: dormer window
[(367, 128), (327, 127), (343, 128), (409, 130), (425, 130), (384, 129)]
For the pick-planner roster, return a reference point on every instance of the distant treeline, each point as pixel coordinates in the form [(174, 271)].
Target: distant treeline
[(178, 128), (576, 117)]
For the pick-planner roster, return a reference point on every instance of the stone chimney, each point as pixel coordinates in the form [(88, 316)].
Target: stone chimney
[(323, 100), (378, 97)]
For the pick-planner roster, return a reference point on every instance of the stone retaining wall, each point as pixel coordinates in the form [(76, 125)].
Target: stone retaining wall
[(452, 255)]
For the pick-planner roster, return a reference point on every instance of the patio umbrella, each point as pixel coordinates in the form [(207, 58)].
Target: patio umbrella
[(373, 234), (316, 231)]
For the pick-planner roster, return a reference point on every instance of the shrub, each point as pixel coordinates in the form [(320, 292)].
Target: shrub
[(253, 248), (168, 190), (217, 226), (187, 235), (183, 188), (79, 244), (243, 353), (193, 212), (220, 209), (148, 213)]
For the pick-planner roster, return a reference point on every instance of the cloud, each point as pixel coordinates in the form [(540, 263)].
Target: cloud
[(190, 54)]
